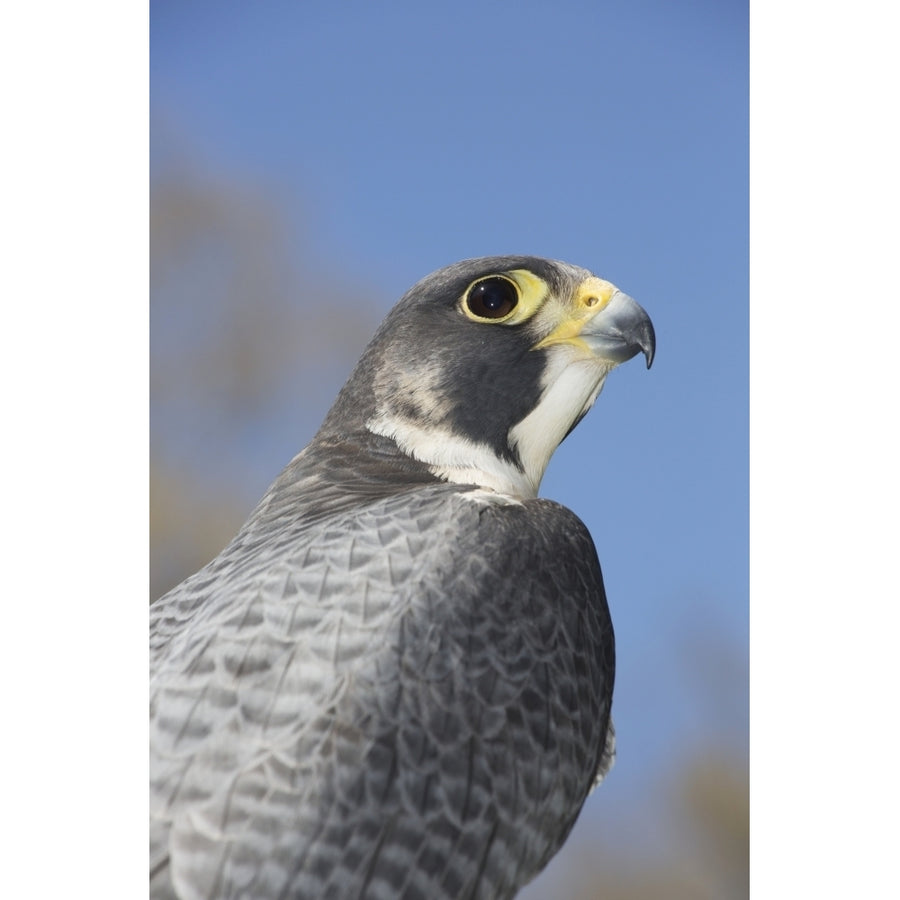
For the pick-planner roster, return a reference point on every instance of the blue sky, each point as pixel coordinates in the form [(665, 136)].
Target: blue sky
[(611, 135)]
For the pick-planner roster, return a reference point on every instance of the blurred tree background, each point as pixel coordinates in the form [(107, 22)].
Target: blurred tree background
[(250, 341)]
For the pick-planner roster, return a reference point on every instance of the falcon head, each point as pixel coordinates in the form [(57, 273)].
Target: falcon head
[(483, 367)]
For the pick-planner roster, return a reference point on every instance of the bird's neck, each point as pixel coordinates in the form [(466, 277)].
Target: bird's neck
[(456, 459)]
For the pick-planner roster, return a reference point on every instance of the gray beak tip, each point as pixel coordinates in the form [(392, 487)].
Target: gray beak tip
[(648, 344), (644, 338)]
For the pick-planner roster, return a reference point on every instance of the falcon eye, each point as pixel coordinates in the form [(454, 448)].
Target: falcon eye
[(492, 298)]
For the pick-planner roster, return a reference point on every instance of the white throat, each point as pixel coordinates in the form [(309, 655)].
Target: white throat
[(569, 388), (454, 458)]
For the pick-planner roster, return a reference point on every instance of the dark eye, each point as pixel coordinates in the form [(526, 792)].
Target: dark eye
[(492, 298)]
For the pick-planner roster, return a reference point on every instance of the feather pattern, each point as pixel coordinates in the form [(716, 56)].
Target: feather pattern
[(396, 700)]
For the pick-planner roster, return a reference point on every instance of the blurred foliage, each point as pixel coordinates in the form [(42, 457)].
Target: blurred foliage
[(700, 851), (250, 341)]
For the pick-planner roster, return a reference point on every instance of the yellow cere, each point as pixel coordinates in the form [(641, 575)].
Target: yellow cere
[(592, 295)]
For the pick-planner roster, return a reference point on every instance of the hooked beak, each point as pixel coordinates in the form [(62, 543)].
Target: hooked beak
[(621, 330)]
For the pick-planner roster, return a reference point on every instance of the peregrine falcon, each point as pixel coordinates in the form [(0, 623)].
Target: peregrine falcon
[(396, 680)]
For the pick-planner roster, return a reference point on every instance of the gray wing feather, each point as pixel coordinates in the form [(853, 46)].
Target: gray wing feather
[(409, 700)]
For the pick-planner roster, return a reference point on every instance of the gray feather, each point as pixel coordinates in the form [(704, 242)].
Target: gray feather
[(398, 702)]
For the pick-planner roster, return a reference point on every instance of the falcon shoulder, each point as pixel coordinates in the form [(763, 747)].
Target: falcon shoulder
[(410, 699)]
